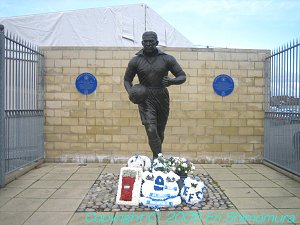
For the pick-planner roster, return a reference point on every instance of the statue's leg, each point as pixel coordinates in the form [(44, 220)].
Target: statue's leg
[(161, 132), (163, 110), (154, 114), (153, 139)]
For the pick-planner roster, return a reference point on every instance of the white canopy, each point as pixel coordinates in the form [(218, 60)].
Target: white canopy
[(113, 26)]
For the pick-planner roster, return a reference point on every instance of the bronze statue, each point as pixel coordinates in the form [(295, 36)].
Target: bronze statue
[(151, 66)]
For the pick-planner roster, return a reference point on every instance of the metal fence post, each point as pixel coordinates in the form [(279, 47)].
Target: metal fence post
[(2, 122)]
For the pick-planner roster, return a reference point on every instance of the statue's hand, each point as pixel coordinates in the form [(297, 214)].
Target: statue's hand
[(131, 94), (166, 81), (130, 91)]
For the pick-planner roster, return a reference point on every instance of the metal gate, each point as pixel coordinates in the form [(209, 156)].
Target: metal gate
[(282, 108), (21, 103)]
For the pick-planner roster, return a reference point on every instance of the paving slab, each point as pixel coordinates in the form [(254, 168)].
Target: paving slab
[(68, 169), (276, 176), (22, 204), (241, 192), (252, 176), (4, 200), (266, 170), (41, 170), (240, 166), (200, 171), (56, 176), (36, 193), (116, 165), (92, 165), (272, 192), (20, 183), (49, 218), (264, 216), (135, 218), (47, 184), (10, 192), (60, 205), (32, 175), (89, 170), (198, 166), (243, 171), (295, 191), (84, 176), (92, 218), (258, 166), (288, 183), (232, 184), (292, 212), (220, 217), (13, 218), (284, 202), (112, 169), (225, 176), (215, 171), (215, 166), (67, 164), (191, 217), (73, 184), (70, 193), (250, 203), (261, 183)]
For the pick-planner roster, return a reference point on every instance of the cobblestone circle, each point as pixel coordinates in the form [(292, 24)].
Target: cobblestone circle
[(102, 197)]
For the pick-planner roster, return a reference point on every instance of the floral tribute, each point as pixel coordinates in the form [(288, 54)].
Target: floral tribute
[(192, 191), (180, 166), (159, 186), (160, 189), (129, 186), (139, 161)]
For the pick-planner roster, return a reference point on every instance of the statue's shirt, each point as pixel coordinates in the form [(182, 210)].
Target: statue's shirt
[(151, 70)]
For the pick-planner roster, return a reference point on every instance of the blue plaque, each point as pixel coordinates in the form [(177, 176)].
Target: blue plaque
[(86, 83), (223, 85)]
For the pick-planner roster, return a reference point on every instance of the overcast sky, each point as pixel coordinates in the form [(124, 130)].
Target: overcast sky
[(258, 24)]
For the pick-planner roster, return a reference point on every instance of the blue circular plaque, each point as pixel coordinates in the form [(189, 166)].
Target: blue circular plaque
[(86, 83), (223, 85)]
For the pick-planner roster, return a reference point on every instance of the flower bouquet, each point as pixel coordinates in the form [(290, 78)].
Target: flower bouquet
[(180, 166), (160, 164)]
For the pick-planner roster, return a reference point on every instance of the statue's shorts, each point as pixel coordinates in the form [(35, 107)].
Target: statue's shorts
[(155, 109)]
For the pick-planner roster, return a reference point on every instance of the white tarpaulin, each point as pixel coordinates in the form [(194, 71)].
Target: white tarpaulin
[(112, 26)]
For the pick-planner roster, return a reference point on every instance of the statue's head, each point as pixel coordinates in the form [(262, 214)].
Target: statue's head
[(149, 42)]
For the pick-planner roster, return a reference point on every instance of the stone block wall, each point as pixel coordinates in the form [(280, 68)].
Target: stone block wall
[(202, 126)]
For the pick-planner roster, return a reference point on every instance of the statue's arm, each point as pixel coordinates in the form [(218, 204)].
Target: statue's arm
[(127, 85), (129, 75), (176, 70), (179, 79)]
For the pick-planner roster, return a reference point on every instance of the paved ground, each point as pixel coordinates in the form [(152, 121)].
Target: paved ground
[(51, 194)]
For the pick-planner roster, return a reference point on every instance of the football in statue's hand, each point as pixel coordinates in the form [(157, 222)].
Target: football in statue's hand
[(138, 94)]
